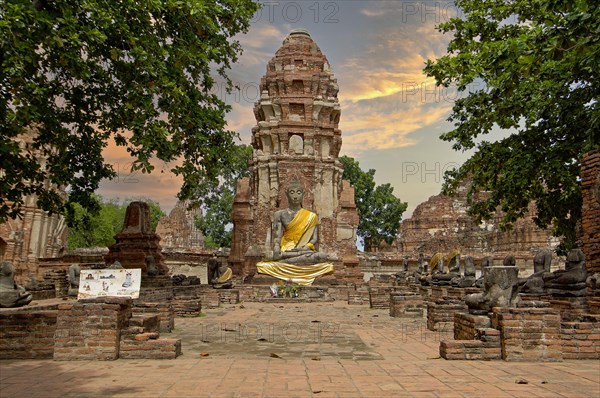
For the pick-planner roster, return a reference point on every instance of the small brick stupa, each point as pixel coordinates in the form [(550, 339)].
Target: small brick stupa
[(296, 137), (136, 242)]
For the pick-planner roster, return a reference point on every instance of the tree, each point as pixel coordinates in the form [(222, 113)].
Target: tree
[(139, 73), (539, 62), (379, 211), (217, 199), (93, 229)]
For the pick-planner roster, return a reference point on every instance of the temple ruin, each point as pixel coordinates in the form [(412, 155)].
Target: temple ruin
[(296, 137), (178, 230), (38, 234), (441, 224)]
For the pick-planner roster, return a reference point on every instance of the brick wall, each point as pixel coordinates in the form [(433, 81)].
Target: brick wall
[(472, 349), (140, 340), (440, 313), (408, 304), (526, 334), (90, 329), (58, 278), (156, 295), (570, 307), (186, 300), (529, 334), (340, 292), (165, 311), (358, 296), (461, 292), (438, 292), (581, 340), (466, 325), (425, 292), (27, 335), (379, 297), (590, 190), (594, 304)]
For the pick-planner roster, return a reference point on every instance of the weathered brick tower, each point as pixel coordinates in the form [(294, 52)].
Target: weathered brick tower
[(296, 136)]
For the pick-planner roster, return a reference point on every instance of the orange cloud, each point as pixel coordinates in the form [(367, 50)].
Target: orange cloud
[(161, 185), (387, 130)]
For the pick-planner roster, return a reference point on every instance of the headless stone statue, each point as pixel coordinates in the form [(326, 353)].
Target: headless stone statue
[(509, 261), (11, 294), (73, 276), (468, 278), (151, 266), (534, 284), (402, 275), (295, 239), (500, 289), (593, 285), (485, 263), (420, 267), (454, 263), (445, 278), (572, 280), (219, 276), (435, 266)]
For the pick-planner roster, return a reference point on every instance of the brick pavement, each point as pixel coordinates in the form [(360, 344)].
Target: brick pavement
[(300, 350)]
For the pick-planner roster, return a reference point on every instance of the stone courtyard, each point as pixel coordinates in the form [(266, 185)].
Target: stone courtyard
[(301, 349)]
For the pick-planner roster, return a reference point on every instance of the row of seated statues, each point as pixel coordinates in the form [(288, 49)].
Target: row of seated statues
[(500, 284), (570, 281), (435, 272)]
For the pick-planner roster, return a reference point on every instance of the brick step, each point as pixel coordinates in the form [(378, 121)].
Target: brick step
[(187, 306), (470, 349), (144, 323), (150, 348), (163, 310)]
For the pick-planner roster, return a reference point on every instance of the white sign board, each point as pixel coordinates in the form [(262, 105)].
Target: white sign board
[(110, 282)]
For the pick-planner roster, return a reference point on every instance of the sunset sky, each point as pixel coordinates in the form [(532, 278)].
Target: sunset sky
[(392, 115)]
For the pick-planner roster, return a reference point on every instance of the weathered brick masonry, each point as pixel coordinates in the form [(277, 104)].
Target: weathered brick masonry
[(590, 190)]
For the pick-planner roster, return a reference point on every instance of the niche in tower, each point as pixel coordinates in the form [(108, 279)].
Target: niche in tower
[(296, 112)]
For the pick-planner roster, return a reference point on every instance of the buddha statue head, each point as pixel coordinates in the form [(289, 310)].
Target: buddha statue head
[(295, 193)]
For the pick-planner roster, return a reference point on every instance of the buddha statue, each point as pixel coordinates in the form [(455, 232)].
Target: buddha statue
[(402, 275), (73, 276), (435, 266), (11, 294), (422, 268), (219, 276), (468, 278), (295, 239), (487, 262), (572, 280), (500, 288), (534, 284), (444, 278), (151, 268)]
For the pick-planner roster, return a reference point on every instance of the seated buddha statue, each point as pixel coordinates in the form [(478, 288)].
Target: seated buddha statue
[(11, 294), (219, 276), (295, 238)]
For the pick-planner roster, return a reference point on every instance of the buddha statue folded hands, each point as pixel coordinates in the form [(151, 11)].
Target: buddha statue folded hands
[(295, 235)]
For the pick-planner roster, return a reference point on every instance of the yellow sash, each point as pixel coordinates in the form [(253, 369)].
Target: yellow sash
[(299, 230), (297, 234)]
